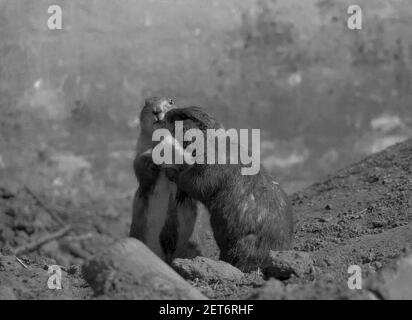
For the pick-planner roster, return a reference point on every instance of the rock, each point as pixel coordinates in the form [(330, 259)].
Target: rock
[(130, 270), (376, 265), (393, 282), (206, 269), (284, 264)]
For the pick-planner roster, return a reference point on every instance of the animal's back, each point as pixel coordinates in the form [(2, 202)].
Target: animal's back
[(250, 215)]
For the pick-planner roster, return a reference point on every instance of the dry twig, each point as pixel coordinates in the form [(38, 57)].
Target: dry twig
[(41, 204), (22, 263), (38, 243)]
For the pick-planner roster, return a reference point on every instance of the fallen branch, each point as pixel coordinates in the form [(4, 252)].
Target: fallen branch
[(38, 243), (51, 212), (135, 269), (81, 237), (21, 262), (76, 251)]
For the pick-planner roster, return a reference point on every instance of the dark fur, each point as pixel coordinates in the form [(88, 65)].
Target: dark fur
[(250, 215)]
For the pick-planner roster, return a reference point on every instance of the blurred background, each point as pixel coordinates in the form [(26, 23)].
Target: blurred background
[(323, 96)]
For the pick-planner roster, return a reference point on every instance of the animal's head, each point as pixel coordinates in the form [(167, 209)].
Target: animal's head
[(177, 123), (154, 112), (192, 117)]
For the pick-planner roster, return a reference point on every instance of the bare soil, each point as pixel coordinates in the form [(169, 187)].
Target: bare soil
[(359, 215)]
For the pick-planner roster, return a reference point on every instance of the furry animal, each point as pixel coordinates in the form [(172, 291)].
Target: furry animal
[(250, 214), (170, 223)]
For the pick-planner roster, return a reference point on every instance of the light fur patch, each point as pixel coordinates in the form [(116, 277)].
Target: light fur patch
[(178, 148), (157, 212)]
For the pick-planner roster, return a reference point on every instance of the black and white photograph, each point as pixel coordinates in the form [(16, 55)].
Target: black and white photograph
[(228, 151)]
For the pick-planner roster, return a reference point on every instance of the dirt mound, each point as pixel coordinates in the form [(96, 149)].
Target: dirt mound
[(359, 216), (28, 279)]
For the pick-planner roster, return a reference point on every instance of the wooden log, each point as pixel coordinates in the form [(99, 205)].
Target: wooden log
[(130, 270)]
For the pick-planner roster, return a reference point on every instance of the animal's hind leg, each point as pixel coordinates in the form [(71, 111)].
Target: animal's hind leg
[(249, 253), (186, 214)]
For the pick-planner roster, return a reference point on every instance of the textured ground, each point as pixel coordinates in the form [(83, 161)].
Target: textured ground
[(359, 215)]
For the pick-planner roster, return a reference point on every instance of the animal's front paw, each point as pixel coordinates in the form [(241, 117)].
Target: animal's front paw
[(146, 171), (172, 174)]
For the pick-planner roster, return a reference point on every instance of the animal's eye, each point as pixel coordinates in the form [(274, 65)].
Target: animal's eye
[(171, 101), (194, 153)]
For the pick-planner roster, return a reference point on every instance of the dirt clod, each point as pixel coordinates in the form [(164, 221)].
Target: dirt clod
[(206, 269), (285, 264)]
